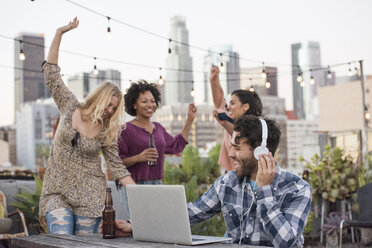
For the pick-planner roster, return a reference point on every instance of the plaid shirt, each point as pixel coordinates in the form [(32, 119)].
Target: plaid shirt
[(272, 215)]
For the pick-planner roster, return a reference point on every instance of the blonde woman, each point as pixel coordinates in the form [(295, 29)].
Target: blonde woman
[(73, 193)]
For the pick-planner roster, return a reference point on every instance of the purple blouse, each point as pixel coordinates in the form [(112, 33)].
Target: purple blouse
[(133, 140)]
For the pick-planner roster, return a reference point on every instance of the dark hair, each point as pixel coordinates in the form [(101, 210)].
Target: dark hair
[(130, 98), (250, 127), (252, 98)]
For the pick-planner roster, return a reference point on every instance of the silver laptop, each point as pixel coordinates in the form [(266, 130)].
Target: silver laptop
[(159, 214)]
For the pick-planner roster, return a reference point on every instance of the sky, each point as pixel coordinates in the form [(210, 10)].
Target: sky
[(261, 30)]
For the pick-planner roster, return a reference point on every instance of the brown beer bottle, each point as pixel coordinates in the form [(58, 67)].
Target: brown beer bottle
[(152, 145), (108, 217)]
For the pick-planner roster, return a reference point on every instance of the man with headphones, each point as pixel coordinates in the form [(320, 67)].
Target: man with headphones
[(262, 204)]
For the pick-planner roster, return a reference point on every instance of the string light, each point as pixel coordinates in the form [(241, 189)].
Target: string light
[(95, 70), (263, 74), (355, 71), (312, 81), (329, 74), (192, 93), (268, 84), (161, 81), (366, 114), (22, 56), (299, 76), (302, 84), (251, 89), (169, 46), (222, 68), (350, 71), (108, 34)]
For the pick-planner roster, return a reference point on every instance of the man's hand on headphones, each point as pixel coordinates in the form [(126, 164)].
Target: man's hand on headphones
[(266, 170)]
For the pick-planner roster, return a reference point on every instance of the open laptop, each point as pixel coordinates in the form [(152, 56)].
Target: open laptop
[(159, 214)]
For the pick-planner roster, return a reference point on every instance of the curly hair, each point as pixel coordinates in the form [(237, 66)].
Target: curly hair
[(252, 98), (130, 98), (250, 127)]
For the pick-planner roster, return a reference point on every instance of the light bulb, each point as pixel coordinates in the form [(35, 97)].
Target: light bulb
[(95, 70), (302, 83), (329, 75), (161, 81), (169, 47), (367, 116), (268, 85), (299, 78), (222, 68), (356, 70), (22, 56), (108, 34), (192, 93), (263, 74), (312, 80), (251, 89)]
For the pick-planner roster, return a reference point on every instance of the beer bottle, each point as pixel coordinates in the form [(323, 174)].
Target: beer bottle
[(108, 217), (152, 145)]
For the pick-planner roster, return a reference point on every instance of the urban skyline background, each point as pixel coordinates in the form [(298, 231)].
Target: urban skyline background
[(258, 30)]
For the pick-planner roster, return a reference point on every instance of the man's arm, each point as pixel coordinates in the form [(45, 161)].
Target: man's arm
[(285, 223), (206, 206)]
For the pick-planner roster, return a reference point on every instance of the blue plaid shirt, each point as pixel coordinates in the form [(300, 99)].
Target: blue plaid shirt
[(272, 215)]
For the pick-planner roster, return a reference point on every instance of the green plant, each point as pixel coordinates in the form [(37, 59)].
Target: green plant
[(28, 203), (42, 154), (309, 223), (334, 176)]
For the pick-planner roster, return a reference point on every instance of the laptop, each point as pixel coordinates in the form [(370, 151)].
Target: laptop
[(159, 214)]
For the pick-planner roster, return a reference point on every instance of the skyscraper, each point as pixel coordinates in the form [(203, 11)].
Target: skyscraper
[(306, 56), (229, 78), (178, 84), (79, 85), (28, 78), (112, 76)]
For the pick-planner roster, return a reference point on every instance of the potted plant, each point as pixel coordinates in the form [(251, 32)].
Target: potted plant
[(28, 203), (332, 229)]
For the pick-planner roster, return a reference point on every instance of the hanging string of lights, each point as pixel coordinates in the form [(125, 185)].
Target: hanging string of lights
[(180, 42)]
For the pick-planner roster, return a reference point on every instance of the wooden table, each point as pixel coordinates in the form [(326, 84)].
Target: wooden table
[(95, 241)]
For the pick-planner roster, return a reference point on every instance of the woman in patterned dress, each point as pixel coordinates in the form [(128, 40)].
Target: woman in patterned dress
[(73, 193)]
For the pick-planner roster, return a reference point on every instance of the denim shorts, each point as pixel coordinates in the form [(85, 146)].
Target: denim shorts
[(63, 221)]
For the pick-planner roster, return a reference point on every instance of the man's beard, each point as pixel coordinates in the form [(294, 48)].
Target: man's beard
[(247, 168)]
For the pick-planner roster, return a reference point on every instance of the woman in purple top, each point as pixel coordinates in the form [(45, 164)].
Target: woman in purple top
[(141, 100)]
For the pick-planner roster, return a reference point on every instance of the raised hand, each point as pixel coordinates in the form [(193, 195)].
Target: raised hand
[(71, 25), (266, 170), (191, 112), (215, 72)]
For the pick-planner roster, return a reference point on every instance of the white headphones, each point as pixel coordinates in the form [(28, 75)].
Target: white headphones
[(262, 148)]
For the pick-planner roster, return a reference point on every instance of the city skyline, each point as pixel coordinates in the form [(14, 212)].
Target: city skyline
[(258, 30)]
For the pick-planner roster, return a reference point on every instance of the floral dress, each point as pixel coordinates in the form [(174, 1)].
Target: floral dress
[(74, 178)]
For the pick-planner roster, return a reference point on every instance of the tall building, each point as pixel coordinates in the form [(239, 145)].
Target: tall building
[(306, 56), (252, 77), (112, 76), (204, 129), (8, 135), (274, 108), (35, 121), (178, 83), (83, 83), (28, 78), (79, 85), (302, 141), (229, 78)]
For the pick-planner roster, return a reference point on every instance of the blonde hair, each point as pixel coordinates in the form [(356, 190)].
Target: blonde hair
[(94, 107)]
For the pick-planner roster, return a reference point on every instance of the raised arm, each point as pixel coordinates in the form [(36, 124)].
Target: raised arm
[(191, 114), (54, 48), (217, 92)]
